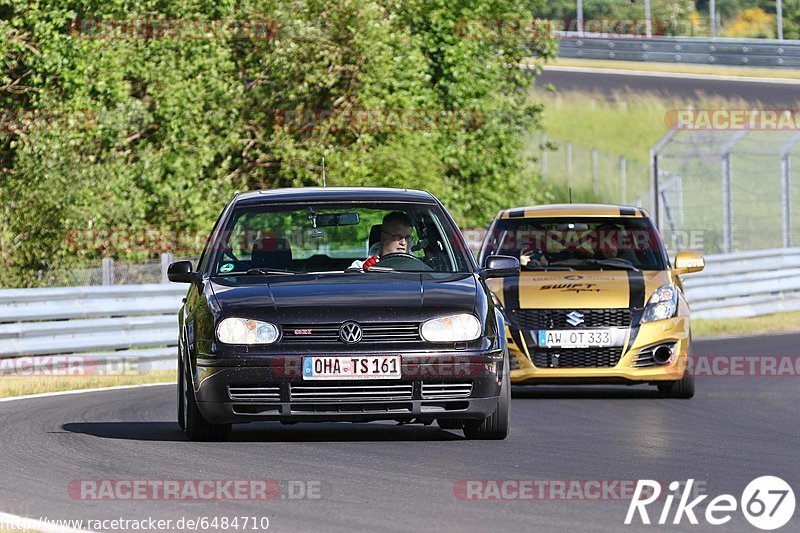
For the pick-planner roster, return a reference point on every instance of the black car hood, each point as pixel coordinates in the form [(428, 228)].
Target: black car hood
[(365, 297)]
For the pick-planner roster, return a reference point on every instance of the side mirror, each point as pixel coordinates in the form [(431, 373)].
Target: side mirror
[(500, 266), (688, 261), (180, 272)]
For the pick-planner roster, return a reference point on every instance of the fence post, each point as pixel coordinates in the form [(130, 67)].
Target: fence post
[(108, 271), (655, 151), (727, 211), (569, 165), (727, 216), (623, 179), (786, 190), (594, 171), (166, 259)]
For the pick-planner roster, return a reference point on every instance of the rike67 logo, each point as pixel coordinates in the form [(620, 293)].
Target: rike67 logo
[(767, 503)]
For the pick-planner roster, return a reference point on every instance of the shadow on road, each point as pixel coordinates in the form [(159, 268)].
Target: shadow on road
[(269, 432), (543, 392)]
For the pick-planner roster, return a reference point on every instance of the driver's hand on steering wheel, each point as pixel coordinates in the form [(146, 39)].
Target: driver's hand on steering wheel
[(532, 257)]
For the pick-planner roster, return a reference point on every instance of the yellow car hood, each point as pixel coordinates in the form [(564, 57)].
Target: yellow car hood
[(578, 289)]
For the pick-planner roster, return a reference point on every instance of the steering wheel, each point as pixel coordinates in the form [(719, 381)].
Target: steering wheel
[(403, 261)]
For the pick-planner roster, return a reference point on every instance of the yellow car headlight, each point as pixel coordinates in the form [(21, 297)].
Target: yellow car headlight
[(662, 304)]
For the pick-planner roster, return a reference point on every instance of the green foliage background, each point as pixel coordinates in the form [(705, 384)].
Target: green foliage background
[(180, 125)]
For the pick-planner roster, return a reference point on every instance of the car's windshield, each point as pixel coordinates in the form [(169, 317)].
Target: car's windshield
[(600, 243), (337, 237)]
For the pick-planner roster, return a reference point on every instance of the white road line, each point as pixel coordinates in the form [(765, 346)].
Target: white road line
[(82, 391), (12, 521), (659, 74)]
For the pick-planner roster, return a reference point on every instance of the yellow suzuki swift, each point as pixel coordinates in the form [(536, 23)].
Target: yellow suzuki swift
[(596, 300)]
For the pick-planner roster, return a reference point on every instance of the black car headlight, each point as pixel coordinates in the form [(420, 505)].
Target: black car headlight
[(246, 331), (662, 304), (451, 328)]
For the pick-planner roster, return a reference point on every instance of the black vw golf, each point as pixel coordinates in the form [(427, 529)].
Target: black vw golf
[(340, 304)]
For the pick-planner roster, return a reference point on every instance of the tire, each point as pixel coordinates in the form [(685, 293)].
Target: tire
[(683, 388), (195, 426), (494, 427), (181, 421)]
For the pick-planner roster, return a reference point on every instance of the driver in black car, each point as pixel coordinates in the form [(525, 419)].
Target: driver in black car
[(396, 231)]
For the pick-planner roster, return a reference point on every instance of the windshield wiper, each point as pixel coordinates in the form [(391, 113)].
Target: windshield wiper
[(616, 263), (623, 264), (256, 272), (546, 267)]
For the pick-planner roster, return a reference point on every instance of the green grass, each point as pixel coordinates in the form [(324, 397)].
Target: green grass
[(718, 70), (775, 323), (622, 123), (23, 385)]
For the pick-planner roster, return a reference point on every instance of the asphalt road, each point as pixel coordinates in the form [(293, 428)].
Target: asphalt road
[(380, 477), (687, 88)]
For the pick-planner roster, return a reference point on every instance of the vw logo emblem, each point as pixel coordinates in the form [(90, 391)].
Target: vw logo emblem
[(574, 318), (350, 333)]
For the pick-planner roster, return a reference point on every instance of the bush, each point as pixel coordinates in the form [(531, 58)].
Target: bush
[(169, 129)]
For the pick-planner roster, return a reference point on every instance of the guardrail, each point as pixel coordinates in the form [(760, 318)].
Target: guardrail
[(746, 284), (106, 324), (701, 50), (98, 325)]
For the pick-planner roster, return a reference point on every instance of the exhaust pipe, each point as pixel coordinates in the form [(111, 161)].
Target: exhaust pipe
[(662, 354)]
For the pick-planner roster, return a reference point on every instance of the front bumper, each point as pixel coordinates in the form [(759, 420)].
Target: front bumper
[(674, 331), (271, 388)]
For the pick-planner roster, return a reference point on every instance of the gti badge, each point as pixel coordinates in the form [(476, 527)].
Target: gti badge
[(575, 318), (350, 333)]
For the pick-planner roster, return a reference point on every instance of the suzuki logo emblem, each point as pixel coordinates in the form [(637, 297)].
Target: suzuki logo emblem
[(350, 332), (575, 318)]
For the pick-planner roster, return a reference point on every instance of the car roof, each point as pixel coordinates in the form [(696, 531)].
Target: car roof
[(322, 194), (573, 210)]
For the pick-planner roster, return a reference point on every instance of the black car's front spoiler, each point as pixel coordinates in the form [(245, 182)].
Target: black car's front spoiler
[(365, 411), (281, 377)]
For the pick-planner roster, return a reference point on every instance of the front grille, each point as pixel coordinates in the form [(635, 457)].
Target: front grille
[(254, 392), (350, 393), (439, 391), (557, 318), (577, 357), (329, 333)]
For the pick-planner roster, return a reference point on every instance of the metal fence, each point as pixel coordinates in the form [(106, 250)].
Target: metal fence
[(109, 272), (746, 284), (593, 175), (96, 324), (700, 50), (728, 191), (105, 324)]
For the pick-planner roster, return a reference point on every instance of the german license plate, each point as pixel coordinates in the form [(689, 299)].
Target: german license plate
[(576, 338), (362, 367)]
